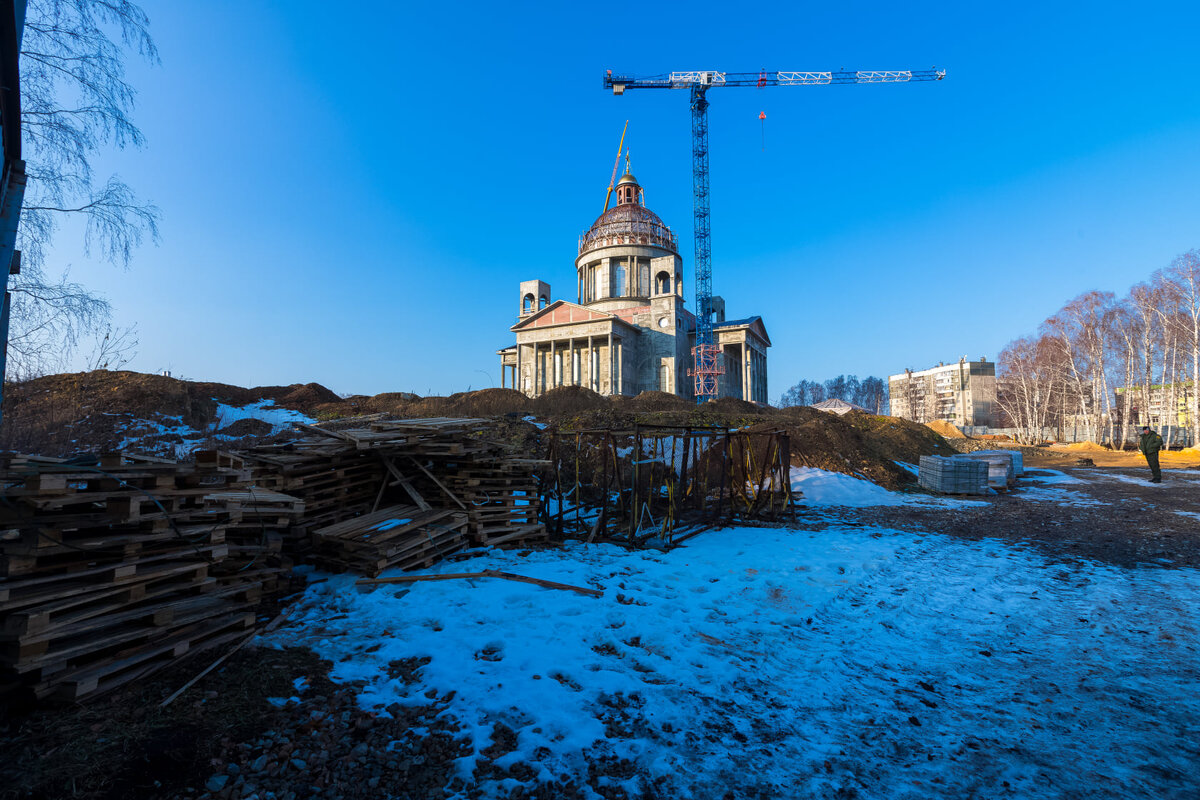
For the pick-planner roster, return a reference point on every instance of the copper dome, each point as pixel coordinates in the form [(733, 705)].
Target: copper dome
[(629, 223)]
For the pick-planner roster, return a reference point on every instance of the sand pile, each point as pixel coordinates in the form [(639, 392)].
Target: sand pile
[(946, 429), (1090, 447)]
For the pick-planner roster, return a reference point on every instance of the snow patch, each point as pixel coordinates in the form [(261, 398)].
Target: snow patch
[(263, 410), (823, 488), (777, 663), (1052, 476)]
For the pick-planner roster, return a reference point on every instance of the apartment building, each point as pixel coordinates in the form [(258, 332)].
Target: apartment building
[(1166, 404), (963, 393)]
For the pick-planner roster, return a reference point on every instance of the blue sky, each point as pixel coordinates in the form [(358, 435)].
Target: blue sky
[(351, 193)]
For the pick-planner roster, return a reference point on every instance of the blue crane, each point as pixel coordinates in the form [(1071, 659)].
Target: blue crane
[(707, 362)]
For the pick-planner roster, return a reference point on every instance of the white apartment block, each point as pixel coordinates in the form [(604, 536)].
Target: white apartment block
[(963, 393)]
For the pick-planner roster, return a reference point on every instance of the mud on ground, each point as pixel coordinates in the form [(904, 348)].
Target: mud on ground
[(1113, 516)]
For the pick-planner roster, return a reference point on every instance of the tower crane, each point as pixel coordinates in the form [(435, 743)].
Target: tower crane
[(707, 363)]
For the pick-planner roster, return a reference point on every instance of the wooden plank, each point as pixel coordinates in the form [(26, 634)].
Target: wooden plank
[(406, 485), (490, 573)]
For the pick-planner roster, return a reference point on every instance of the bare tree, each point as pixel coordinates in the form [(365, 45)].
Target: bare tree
[(114, 349), (75, 101), (1181, 282), (1032, 377)]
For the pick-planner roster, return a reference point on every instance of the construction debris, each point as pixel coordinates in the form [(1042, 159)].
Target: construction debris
[(343, 473), (112, 568)]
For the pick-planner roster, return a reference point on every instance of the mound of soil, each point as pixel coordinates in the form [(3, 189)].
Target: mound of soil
[(481, 403), (303, 397), (567, 400), (656, 401), (247, 427), (63, 414), (732, 406), (946, 429), (1089, 447)]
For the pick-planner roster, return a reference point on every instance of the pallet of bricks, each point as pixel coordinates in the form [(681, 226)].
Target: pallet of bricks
[(401, 493), (953, 475), (112, 568)]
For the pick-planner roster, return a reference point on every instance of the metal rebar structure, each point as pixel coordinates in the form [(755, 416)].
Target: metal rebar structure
[(659, 484)]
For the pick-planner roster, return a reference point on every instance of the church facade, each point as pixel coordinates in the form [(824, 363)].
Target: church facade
[(628, 330)]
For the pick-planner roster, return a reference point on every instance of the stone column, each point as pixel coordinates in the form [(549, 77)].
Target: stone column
[(612, 365), (537, 366)]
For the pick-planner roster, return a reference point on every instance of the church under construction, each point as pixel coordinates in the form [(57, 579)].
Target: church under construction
[(628, 331)]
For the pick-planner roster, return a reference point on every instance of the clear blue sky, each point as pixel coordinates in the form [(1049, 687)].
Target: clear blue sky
[(351, 193)]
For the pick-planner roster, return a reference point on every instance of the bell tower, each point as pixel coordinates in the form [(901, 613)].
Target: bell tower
[(628, 190)]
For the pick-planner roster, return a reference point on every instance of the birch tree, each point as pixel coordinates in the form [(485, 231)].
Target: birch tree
[(75, 102)]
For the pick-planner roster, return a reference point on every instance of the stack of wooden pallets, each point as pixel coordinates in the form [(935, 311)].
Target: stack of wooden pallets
[(350, 470), (402, 536), (111, 569), (502, 499)]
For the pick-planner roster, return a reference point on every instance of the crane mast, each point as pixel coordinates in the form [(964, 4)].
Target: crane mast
[(708, 364)]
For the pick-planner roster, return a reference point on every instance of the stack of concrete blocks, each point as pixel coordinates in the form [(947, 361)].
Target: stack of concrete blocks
[(953, 475), (1018, 461), (1001, 474)]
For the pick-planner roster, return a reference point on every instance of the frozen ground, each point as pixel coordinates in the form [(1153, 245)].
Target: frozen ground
[(828, 663)]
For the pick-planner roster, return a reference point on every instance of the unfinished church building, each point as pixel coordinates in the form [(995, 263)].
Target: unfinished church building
[(628, 332)]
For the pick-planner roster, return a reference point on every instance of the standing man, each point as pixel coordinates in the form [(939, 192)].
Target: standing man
[(1150, 444)]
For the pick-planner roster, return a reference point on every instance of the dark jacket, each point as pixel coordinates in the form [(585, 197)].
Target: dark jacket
[(1150, 443)]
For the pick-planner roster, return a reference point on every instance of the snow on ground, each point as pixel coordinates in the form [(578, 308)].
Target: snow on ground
[(264, 410), (822, 488), (1051, 476), (1058, 497), (1192, 514), (144, 427), (774, 663)]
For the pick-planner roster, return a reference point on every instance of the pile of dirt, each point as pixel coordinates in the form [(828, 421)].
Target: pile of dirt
[(303, 397), (655, 401), (63, 414), (946, 430), (73, 412), (731, 406), (247, 427), (1090, 447), (856, 443), (567, 400), (862, 444)]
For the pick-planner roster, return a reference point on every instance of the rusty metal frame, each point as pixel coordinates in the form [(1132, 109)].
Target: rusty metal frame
[(657, 484)]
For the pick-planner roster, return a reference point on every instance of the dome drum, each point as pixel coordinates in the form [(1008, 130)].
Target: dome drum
[(628, 224)]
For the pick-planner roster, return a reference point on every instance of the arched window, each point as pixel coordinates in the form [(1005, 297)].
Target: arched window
[(527, 304), (662, 283), (664, 378), (619, 287), (542, 302)]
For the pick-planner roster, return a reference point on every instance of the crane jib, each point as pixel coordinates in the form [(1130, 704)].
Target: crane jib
[(707, 353), (714, 78)]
